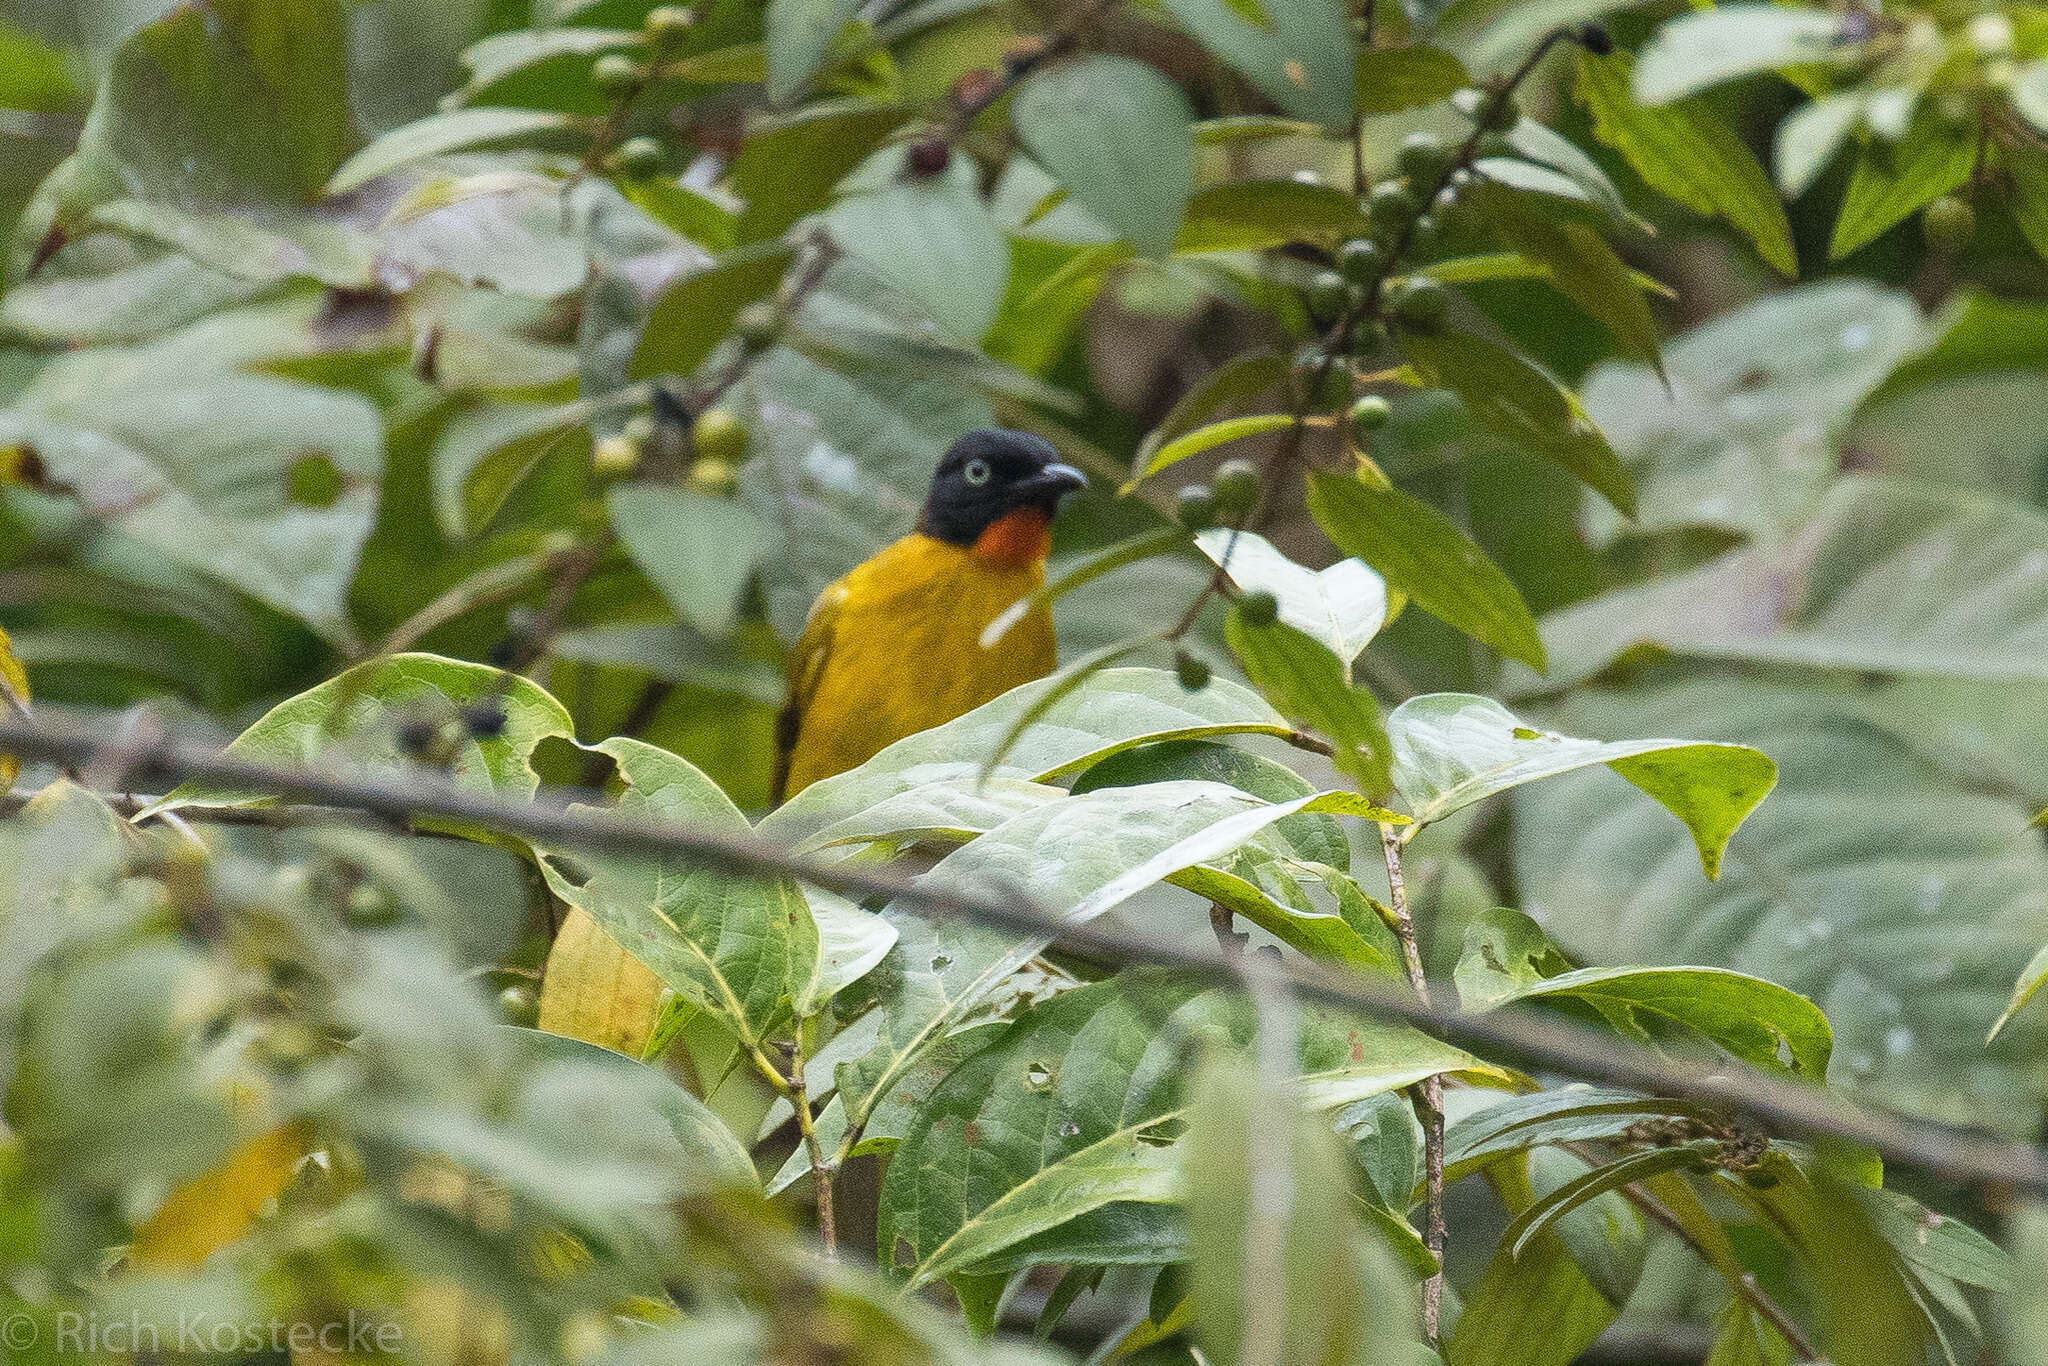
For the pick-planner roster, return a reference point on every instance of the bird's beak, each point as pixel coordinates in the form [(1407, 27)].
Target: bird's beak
[(1055, 481)]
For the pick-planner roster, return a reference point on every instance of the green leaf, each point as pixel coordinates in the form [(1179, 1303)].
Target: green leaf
[(546, 68), (1537, 1309), (1810, 136), (1251, 215), (1391, 79), (1300, 677), (936, 242), (2030, 979), (1707, 47), (453, 130), (694, 313), (700, 551), (1743, 437), (1282, 1270), (2028, 164), (798, 33), (1236, 381), (1341, 607), (1118, 135), (1743, 1339), (1542, 147), (1505, 952), (699, 217), (1298, 54), (485, 451), (1421, 554), (1892, 180), (788, 168), (351, 723), (1517, 400), (1541, 1214), (1580, 263), (743, 948), (1939, 1244), (1686, 151), (1215, 434), (1758, 1021), (1507, 265), (200, 466), (1113, 711), (1573, 1113), (1453, 749)]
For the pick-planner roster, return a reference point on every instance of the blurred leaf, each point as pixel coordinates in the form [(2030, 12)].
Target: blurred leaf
[(1397, 78), (1535, 1309), (1707, 47), (1936, 1243), (352, 721), (1248, 215), (1282, 1270), (694, 314), (1580, 263), (1302, 679), (1892, 180), (934, 240), (1422, 555), (2030, 979), (1743, 436), (13, 704), (486, 449), (788, 168), (700, 551), (1342, 607), (1685, 150), (1453, 749), (1809, 137), (548, 68), (743, 948), (1117, 134), (1517, 400), (215, 1209), (2024, 1315), (453, 130), (1741, 1338), (2028, 164), (593, 990), (1505, 951), (1298, 55), (1215, 434), (1236, 381), (798, 34), (699, 217)]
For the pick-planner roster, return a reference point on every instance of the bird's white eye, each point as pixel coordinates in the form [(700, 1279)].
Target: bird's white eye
[(975, 472)]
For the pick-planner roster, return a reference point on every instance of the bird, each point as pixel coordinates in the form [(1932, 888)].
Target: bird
[(894, 647)]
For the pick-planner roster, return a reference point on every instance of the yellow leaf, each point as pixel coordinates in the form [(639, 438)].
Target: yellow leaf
[(13, 702), (595, 991), (211, 1211)]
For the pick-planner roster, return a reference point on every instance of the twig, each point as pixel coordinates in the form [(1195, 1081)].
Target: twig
[(1428, 1095), (822, 1170), (1522, 1034), (487, 587), (1747, 1289)]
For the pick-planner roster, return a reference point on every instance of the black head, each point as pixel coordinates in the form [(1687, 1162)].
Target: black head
[(989, 473)]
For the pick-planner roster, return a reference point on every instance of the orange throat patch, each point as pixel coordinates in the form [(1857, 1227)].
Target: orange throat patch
[(1015, 539)]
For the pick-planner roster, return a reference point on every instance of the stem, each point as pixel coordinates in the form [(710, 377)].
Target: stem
[(822, 1170), (1428, 1096)]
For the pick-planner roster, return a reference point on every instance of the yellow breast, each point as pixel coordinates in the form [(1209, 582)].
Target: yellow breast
[(904, 651)]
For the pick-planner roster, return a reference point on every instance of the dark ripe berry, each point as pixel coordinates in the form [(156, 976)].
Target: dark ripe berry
[(1193, 673), (757, 324), (1948, 223), (1237, 483), (1596, 39), (1424, 158), (517, 1006), (1259, 608), (1361, 261), (1194, 507), (928, 157), (1390, 205), (1418, 303), (717, 434), (637, 158), (615, 74), (1328, 294), (484, 720), (1370, 413), (1500, 114), (666, 22)]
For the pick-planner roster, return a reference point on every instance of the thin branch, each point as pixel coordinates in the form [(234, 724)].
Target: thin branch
[(1428, 1094), (822, 1171), (488, 587), (1524, 1035)]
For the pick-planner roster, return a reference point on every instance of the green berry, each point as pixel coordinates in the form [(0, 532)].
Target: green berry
[(1361, 262), (615, 74), (1390, 205), (1258, 608), (1948, 223), (613, 456), (1418, 303), (665, 22), (1423, 158), (718, 435), (1238, 484), (1194, 507), (716, 478), (1328, 294), (637, 158), (757, 324), (1423, 236), (1193, 673), (517, 1006), (1370, 413)]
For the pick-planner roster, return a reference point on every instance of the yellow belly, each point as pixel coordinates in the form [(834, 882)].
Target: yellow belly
[(905, 652)]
